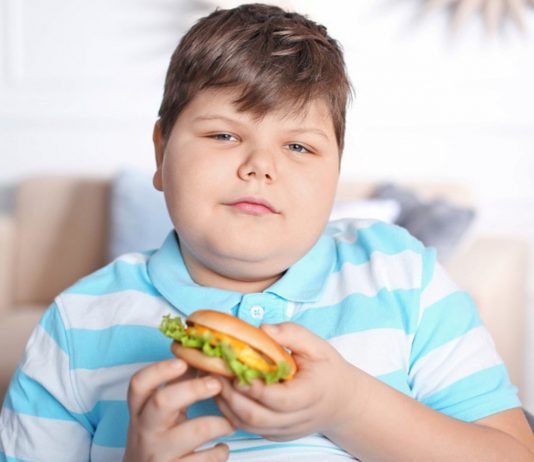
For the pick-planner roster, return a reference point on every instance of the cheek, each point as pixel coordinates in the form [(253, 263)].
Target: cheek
[(191, 167), (316, 195), (180, 184), (184, 169), (193, 185)]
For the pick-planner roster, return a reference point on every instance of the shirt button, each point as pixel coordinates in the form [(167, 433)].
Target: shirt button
[(257, 312)]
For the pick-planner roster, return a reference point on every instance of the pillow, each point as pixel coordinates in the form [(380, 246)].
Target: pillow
[(436, 223), (7, 199), (138, 215), (378, 209)]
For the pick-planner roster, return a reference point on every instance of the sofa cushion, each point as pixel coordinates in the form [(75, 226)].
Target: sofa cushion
[(15, 330), (8, 242), (437, 222), (61, 225)]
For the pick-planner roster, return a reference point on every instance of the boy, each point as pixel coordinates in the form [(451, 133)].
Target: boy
[(248, 149)]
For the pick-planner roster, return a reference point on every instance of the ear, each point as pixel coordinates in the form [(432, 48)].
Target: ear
[(159, 149)]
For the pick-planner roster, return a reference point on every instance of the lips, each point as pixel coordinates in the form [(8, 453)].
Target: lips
[(253, 206)]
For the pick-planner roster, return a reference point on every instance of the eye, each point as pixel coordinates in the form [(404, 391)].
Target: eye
[(298, 148), (222, 136)]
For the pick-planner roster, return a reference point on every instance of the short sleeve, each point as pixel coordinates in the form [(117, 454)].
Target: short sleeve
[(41, 418), (454, 366)]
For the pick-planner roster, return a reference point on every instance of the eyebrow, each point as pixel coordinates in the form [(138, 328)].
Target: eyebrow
[(215, 117), (208, 117), (317, 131)]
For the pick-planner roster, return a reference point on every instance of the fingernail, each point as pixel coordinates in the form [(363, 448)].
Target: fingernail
[(212, 384), (178, 364)]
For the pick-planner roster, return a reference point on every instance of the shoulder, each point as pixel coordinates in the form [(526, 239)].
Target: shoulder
[(117, 287), (373, 259), (374, 284), (129, 271)]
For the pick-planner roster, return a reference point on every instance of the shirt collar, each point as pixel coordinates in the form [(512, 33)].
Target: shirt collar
[(303, 282)]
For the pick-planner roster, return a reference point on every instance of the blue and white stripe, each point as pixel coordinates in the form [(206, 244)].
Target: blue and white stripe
[(370, 289)]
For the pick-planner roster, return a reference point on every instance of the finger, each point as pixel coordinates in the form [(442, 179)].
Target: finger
[(218, 453), (163, 406), (298, 339), (194, 433), (253, 414), (278, 433), (290, 396), (145, 381), (228, 413)]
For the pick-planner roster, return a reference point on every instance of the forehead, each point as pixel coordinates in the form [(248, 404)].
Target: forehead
[(223, 101)]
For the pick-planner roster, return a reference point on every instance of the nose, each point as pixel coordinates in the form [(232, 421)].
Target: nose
[(259, 164)]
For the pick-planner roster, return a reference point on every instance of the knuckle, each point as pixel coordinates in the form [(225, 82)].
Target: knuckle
[(235, 421), (286, 402), (203, 426), (135, 386), (159, 401), (197, 387), (230, 417), (256, 391), (317, 396), (251, 417)]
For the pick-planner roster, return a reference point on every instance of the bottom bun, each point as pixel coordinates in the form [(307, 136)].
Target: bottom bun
[(199, 360)]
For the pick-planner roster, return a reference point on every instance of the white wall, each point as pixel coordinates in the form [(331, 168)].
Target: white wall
[(81, 82)]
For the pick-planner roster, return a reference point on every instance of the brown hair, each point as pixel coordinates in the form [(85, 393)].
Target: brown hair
[(278, 59)]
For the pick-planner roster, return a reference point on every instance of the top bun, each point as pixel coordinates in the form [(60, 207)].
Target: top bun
[(241, 330)]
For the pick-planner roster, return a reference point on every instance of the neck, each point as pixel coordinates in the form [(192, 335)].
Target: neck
[(208, 277)]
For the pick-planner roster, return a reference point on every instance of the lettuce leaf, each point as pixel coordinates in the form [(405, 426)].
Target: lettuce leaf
[(175, 329)]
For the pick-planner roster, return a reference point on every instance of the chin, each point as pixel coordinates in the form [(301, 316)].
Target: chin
[(244, 254), (248, 257)]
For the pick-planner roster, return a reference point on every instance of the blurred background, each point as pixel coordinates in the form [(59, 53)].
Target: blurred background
[(443, 96)]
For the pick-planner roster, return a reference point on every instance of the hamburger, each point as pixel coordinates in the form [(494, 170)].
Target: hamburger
[(223, 344)]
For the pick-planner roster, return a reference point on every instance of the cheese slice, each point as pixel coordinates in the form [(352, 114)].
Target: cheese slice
[(244, 353)]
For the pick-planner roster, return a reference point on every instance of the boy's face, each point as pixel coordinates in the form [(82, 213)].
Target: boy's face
[(217, 162)]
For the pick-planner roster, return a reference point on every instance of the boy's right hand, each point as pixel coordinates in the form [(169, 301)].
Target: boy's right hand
[(158, 396)]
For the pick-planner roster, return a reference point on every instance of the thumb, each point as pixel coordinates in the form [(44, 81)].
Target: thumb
[(297, 338)]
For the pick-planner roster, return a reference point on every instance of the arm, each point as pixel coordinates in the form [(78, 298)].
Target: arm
[(452, 368), (158, 397), (392, 426), (43, 418), (41, 403), (362, 415)]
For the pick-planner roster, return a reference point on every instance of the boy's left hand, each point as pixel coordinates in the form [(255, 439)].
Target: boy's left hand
[(316, 400)]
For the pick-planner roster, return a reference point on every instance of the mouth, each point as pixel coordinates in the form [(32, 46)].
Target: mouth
[(253, 206)]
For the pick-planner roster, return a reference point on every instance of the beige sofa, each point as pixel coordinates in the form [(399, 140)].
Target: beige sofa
[(58, 233)]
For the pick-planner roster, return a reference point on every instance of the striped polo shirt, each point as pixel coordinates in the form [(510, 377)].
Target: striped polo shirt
[(369, 288)]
